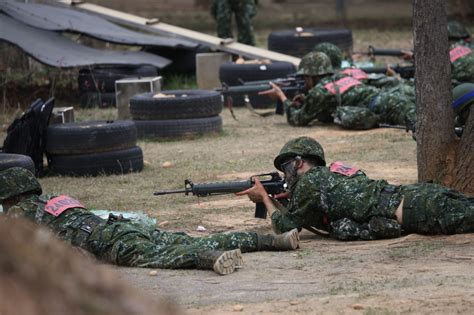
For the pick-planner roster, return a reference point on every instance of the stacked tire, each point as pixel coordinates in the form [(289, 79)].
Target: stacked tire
[(93, 148), (299, 42), (97, 85), (176, 114), (8, 160), (232, 74)]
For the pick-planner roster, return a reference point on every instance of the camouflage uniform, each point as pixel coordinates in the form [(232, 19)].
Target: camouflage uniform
[(463, 98), (462, 68), (244, 11), (390, 106), (349, 205), (126, 243)]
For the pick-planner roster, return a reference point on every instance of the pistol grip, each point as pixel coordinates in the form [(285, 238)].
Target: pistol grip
[(260, 210)]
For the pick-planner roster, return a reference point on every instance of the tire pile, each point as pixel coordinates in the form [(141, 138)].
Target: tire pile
[(8, 160), (176, 113), (93, 148), (97, 85), (300, 42), (232, 74)]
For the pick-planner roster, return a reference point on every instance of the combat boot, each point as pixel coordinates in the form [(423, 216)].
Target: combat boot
[(222, 262), (286, 241)]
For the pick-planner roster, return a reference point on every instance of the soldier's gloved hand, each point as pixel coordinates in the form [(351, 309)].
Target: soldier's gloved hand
[(381, 228), (344, 230)]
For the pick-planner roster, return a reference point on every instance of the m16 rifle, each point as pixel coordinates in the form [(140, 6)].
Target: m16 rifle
[(272, 182), (373, 51), (291, 86), (405, 72)]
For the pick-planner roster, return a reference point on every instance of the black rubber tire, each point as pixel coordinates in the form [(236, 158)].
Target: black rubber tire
[(112, 162), (90, 137), (288, 42), (231, 74), (94, 99), (177, 128), (196, 104), (8, 160), (103, 79)]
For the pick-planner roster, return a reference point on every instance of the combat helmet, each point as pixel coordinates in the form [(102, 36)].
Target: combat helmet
[(15, 181), (332, 51), (463, 97), (314, 64), (457, 31), (305, 147)]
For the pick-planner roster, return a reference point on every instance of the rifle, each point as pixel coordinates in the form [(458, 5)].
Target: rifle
[(291, 86), (372, 51), (272, 182), (405, 72)]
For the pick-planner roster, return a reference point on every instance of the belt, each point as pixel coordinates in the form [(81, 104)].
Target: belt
[(85, 229), (389, 200)]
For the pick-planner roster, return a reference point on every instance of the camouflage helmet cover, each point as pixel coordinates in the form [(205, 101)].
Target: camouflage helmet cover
[(314, 64), (463, 96), (457, 31), (15, 181), (302, 146), (332, 51)]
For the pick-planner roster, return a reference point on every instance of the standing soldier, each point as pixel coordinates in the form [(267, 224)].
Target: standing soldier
[(244, 11), (120, 242)]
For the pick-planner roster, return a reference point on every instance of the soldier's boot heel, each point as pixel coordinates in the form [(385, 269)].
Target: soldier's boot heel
[(222, 262)]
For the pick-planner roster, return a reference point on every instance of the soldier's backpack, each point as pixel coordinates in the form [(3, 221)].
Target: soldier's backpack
[(27, 134)]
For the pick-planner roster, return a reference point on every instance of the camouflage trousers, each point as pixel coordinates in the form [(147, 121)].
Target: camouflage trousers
[(244, 11), (435, 209), (127, 244), (386, 108)]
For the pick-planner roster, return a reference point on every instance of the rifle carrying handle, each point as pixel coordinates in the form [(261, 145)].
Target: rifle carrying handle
[(260, 210)]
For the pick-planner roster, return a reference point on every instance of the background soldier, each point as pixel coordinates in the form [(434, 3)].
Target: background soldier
[(121, 242), (343, 99), (244, 11), (342, 200)]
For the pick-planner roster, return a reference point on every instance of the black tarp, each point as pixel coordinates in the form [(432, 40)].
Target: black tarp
[(56, 50), (64, 19)]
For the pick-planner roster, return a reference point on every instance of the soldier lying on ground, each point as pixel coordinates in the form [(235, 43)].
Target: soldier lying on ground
[(343, 99), (343, 201), (123, 243)]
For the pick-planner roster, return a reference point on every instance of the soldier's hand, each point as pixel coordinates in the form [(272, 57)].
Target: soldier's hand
[(275, 92), (257, 193)]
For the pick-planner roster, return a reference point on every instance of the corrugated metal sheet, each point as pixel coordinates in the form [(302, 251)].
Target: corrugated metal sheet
[(58, 51), (64, 19)]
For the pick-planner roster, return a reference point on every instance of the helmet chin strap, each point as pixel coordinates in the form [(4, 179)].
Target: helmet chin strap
[(292, 171)]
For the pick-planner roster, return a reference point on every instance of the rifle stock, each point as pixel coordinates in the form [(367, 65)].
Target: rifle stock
[(272, 182)]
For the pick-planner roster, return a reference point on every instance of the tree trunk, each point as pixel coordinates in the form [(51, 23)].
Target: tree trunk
[(434, 136), (442, 157)]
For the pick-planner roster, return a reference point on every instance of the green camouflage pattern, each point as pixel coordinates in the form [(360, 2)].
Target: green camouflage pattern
[(457, 31), (393, 106), (462, 69), (357, 207), (463, 109), (332, 51), (315, 64), (128, 244), (357, 118), (302, 146), (17, 180), (244, 11)]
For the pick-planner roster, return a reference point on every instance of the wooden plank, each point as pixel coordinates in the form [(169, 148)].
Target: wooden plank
[(180, 32)]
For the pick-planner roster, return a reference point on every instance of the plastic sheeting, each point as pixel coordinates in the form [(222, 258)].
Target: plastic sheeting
[(64, 19), (56, 50)]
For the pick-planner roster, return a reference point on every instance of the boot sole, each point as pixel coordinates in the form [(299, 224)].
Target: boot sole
[(228, 261), (293, 238)]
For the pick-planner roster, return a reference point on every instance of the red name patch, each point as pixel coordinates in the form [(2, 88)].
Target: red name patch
[(458, 52), (340, 168), (343, 85), (58, 205), (357, 74)]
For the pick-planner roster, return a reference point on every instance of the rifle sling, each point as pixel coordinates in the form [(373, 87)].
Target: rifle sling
[(316, 231)]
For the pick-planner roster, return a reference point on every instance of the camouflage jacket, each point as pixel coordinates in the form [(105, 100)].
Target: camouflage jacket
[(462, 66), (320, 102), (350, 206)]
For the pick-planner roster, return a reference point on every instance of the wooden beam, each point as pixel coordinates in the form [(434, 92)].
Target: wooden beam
[(180, 32)]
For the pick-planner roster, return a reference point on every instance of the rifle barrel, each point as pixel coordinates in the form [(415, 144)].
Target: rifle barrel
[(167, 192)]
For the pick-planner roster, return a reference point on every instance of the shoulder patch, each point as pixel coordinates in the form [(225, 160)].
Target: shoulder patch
[(343, 85), (341, 168), (58, 205), (458, 52)]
